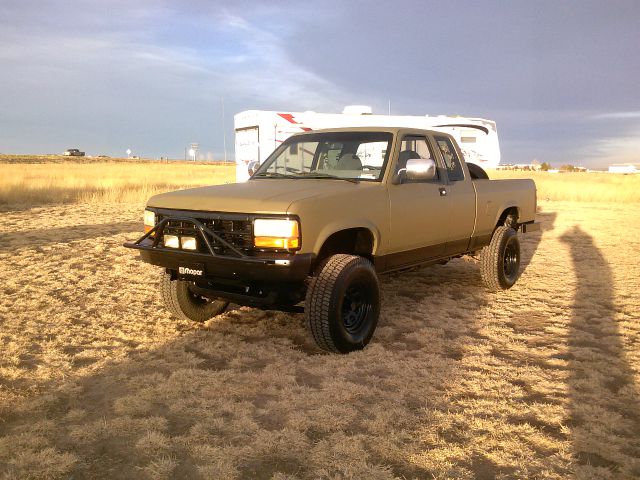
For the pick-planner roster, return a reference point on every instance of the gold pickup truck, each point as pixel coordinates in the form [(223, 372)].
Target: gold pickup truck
[(322, 217)]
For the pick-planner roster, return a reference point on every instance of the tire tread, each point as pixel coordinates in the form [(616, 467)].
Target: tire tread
[(490, 263), (169, 291), (319, 297)]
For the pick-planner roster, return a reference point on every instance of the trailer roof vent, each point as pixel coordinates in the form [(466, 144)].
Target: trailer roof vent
[(357, 110)]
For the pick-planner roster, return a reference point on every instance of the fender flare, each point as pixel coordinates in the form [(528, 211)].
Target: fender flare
[(336, 227), (506, 206)]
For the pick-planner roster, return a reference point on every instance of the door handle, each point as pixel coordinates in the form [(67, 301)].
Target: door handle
[(443, 192)]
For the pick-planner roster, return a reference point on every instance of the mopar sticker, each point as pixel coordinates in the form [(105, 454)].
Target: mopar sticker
[(189, 271)]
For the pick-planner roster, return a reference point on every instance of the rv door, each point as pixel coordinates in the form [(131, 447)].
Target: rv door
[(247, 151)]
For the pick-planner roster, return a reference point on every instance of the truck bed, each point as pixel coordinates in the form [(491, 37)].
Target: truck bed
[(495, 196)]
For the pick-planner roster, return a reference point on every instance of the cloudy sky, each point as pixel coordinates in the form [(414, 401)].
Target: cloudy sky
[(560, 77)]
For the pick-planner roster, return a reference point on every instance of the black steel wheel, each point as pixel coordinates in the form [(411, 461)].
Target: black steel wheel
[(511, 260), (343, 304), (355, 307), (500, 260), (185, 304)]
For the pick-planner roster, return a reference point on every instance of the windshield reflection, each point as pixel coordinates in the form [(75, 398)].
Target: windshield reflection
[(352, 156)]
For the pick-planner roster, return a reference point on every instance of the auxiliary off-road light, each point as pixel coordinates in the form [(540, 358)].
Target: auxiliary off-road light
[(171, 241), (189, 243), (276, 233), (149, 220)]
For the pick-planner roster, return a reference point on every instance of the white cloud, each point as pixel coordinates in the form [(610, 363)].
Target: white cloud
[(620, 149), (102, 82), (617, 116)]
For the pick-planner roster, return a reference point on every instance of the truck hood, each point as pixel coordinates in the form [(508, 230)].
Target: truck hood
[(254, 196)]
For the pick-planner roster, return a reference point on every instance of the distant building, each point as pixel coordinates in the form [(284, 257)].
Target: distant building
[(624, 168), (519, 166)]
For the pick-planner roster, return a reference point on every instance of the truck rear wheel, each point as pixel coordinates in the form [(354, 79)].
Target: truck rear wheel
[(187, 305), (500, 260), (343, 304)]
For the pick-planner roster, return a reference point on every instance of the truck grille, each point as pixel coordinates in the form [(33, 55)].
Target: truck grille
[(235, 231)]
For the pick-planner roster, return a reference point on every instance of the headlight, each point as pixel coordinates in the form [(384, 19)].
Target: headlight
[(149, 220), (188, 243), (171, 241), (276, 233)]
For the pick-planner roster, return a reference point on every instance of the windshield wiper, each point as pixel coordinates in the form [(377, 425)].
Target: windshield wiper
[(274, 175), (327, 175)]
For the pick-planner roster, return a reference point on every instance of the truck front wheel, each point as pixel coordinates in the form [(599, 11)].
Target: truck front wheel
[(187, 305), (500, 260), (343, 304)]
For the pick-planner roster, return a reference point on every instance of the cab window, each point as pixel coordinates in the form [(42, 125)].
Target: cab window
[(414, 147), (451, 161)]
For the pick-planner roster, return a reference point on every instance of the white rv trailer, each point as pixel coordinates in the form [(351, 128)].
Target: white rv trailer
[(260, 132)]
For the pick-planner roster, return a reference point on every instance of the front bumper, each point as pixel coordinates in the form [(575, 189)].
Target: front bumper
[(211, 265), (295, 268)]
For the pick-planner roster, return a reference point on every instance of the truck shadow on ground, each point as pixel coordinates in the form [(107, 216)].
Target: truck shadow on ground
[(604, 400), (530, 241), (50, 236)]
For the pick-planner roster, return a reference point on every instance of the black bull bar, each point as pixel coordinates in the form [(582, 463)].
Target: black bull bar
[(202, 232)]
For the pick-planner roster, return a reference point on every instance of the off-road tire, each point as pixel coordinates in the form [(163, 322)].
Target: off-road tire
[(335, 325), (500, 260), (184, 304)]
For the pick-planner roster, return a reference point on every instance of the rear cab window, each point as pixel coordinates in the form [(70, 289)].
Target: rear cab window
[(452, 162)]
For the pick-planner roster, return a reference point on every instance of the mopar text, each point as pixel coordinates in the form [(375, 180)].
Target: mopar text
[(189, 271)]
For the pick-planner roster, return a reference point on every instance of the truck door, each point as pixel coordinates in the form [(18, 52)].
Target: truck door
[(462, 196), (419, 210)]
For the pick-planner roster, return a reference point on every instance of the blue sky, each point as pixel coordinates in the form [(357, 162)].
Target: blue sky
[(560, 78)]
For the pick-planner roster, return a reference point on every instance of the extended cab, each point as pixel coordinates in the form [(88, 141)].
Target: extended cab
[(322, 217)]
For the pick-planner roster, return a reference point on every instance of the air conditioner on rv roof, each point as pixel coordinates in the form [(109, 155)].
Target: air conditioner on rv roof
[(357, 110)]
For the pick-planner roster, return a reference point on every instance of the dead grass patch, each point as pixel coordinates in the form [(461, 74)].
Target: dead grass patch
[(97, 381), (27, 185), (580, 187)]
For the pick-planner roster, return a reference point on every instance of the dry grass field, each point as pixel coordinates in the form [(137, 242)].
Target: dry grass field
[(25, 183), (98, 381), (580, 187)]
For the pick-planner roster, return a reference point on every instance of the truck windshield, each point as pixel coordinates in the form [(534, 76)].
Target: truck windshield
[(343, 155)]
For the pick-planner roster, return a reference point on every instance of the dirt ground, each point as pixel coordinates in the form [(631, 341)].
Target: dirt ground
[(542, 381)]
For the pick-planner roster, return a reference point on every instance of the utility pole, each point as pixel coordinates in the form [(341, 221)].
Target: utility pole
[(224, 131)]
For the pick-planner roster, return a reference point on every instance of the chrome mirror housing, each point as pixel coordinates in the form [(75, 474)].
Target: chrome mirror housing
[(252, 167), (420, 169)]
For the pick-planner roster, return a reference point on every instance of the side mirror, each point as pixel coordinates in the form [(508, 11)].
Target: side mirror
[(420, 169), (253, 166)]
